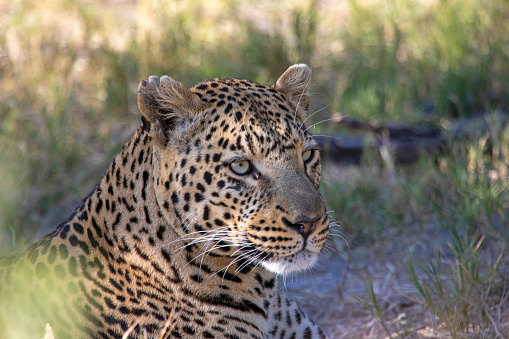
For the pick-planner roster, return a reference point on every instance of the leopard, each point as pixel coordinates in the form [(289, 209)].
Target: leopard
[(214, 195)]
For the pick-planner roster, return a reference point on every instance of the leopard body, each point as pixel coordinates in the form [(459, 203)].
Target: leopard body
[(215, 193)]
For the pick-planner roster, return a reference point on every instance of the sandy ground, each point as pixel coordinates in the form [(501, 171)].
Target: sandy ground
[(328, 292)]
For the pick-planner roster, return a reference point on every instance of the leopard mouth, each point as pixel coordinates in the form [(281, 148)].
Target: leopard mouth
[(297, 261)]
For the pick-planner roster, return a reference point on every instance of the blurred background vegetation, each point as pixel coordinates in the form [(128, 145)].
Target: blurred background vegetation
[(69, 70)]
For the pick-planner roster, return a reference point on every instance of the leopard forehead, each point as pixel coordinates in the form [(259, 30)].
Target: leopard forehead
[(246, 112)]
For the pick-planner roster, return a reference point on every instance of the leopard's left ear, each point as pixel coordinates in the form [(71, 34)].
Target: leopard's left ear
[(167, 104), (294, 84)]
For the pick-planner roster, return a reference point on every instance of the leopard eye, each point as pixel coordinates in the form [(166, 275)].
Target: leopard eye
[(307, 155), (241, 167)]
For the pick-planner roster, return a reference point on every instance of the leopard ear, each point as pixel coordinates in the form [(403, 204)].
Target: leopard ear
[(294, 84), (165, 103)]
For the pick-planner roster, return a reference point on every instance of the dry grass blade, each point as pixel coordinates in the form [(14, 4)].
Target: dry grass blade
[(130, 329), (167, 326)]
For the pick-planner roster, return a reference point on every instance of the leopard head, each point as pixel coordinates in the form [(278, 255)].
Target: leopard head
[(236, 171)]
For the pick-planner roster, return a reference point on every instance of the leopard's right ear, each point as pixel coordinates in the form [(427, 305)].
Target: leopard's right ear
[(166, 103)]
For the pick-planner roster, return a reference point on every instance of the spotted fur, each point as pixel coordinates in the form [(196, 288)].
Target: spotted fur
[(176, 230)]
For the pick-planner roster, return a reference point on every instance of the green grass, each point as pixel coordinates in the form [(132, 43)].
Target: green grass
[(68, 102)]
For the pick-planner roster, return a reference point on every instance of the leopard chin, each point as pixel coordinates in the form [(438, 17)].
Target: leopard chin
[(295, 262)]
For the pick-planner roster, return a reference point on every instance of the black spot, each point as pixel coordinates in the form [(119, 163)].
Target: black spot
[(73, 240), (83, 216), (269, 283), (99, 206), (188, 329), (124, 310), (97, 229), (145, 182), (207, 334), (166, 255), (147, 215), (64, 231), (116, 285), (198, 197), (91, 238), (208, 177), (206, 212), (78, 227), (229, 276), (228, 108), (298, 317), (308, 334), (196, 277), (160, 232)]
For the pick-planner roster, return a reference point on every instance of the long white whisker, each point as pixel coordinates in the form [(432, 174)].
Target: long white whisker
[(204, 254), (252, 259), (309, 116), (205, 235), (232, 262), (300, 98), (326, 136), (313, 125), (247, 263)]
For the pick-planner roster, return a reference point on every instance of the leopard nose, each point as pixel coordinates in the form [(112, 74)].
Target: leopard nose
[(302, 225)]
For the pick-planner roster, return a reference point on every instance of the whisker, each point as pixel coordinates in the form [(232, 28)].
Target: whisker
[(300, 98), (203, 238), (247, 263), (326, 136), (313, 125), (207, 251), (309, 116)]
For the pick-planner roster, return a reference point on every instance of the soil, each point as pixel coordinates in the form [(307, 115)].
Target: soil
[(329, 292)]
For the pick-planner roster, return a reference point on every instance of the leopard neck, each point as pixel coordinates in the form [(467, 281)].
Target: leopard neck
[(120, 227)]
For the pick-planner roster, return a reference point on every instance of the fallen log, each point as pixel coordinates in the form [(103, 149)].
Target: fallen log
[(404, 141)]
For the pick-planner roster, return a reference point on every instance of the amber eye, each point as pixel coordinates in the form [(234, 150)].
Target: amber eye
[(307, 155), (241, 167)]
